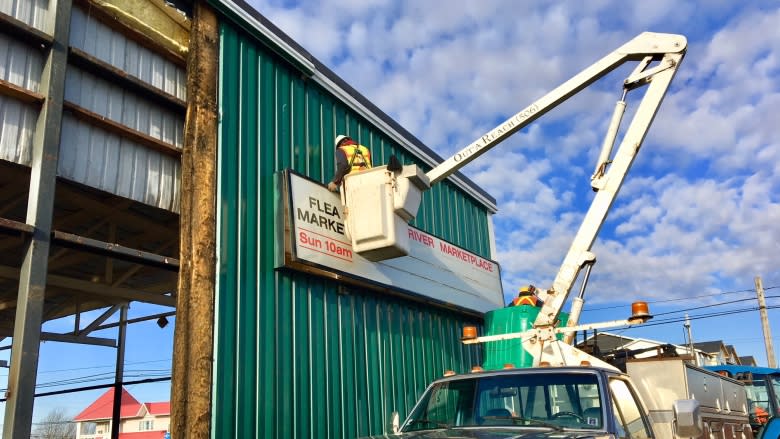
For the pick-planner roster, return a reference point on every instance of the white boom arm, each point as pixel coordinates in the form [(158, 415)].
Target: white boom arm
[(381, 201), (647, 44), (608, 181)]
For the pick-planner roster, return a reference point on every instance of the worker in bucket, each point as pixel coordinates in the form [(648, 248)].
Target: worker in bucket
[(527, 296), (350, 157)]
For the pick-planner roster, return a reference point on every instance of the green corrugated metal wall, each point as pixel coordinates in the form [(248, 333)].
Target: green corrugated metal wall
[(300, 356)]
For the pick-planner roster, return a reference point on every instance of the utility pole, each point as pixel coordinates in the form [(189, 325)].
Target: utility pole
[(119, 376), (690, 341), (770, 350)]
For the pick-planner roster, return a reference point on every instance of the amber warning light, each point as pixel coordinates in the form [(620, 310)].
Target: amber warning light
[(640, 313), (469, 332)]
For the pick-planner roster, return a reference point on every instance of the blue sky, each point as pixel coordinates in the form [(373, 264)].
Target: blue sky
[(148, 354), (697, 219)]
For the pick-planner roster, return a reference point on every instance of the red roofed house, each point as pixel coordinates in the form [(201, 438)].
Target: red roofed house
[(149, 420)]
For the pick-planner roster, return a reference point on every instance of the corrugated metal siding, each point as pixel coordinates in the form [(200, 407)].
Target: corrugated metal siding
[(298, 356), (17, 125), (123, 106), (306, 359), (112, 47), (90, 155), (106, 161), (20, 64), (32, 12)]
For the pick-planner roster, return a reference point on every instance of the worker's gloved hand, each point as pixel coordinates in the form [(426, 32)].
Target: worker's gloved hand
[(333, 187)]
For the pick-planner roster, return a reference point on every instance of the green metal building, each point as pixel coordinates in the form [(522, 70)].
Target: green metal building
[(298, 355), (100, 202)]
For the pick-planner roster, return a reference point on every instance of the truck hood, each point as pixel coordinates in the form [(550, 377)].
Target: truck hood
[(493, 433)]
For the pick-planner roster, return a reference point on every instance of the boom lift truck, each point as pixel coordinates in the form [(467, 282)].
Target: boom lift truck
[(385, 200), (566, 393)]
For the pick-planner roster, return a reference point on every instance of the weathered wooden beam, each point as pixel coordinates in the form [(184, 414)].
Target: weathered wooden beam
[(61, 258), (99, 320), (96, 289), (102, 69), (7, 304), (117, 128), (133, 270), (7, 225), (137, 320), (115, 251), (68, 338), (98, 11), (152, 228), (24, 32), (20, 93)]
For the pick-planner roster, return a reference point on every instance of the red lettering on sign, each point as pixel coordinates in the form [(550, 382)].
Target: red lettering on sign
[(322, 244), (307, 240), (466, 256), (420, 237)]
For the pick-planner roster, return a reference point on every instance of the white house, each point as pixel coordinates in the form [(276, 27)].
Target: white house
[(148, 420)]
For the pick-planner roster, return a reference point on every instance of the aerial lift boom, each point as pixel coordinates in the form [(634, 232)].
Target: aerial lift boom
[(380, 202)]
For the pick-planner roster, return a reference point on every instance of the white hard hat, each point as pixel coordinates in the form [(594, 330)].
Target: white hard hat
[(339, 138)]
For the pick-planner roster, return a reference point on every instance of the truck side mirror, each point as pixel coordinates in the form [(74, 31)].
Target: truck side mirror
[(687, 418), (395, 423)]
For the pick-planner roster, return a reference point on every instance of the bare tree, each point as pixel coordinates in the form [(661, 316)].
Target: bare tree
[(55, 425)]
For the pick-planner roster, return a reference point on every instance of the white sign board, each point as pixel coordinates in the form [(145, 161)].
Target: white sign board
[(434, 268)]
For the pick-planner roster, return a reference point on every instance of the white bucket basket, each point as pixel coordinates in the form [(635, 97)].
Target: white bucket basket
[(379, 205)]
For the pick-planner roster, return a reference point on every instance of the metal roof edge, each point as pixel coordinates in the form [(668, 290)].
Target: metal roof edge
[(326, 78), (244, 11)]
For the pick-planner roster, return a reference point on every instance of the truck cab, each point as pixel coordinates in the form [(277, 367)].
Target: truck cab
[(535, 402)]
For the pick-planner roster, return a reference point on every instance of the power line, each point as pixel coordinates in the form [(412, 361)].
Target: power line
[(97, 386), (697, 317), (708, 306), (667, 300), (97, 367), (134, 373), (684, 298), (102, 367), (703, 316), (698, 307)]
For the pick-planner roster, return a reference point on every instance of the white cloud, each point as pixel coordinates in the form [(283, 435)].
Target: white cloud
[(699, 211)]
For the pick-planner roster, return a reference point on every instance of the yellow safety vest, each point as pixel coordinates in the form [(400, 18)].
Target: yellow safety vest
[(358, 157), (524, 300)]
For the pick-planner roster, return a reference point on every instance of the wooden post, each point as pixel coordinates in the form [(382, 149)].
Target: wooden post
[(193, 338)]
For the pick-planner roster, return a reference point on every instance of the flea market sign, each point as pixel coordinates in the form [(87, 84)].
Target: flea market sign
[(316, 241)]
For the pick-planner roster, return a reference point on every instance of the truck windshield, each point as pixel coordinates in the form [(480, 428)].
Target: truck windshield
[(762, 393), (775, 380), (529, 400)]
